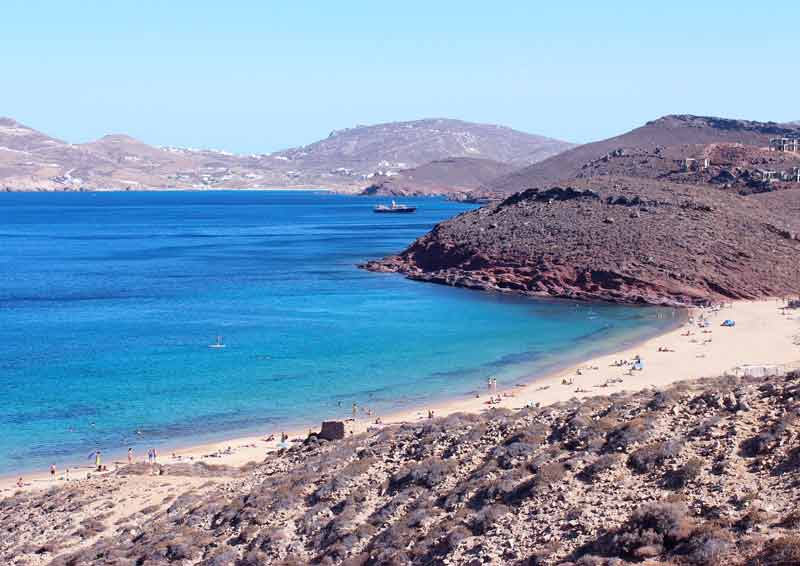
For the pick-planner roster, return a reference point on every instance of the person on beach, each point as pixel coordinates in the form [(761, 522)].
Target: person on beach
[(98, 461), (66, 474), (130, 455), (155, 456), (52, 471), (20, 483)]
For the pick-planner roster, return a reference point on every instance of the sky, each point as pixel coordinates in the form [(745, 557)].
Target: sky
[(265, 75)]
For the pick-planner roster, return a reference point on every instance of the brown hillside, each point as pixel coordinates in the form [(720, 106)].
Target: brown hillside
[(452, 176), (664, 132)]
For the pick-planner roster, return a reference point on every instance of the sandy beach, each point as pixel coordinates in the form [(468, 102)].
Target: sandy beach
[(764, 335)]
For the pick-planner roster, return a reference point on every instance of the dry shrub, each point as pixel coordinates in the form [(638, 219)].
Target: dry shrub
[(569, 427), (513, 455), (750, 520), (550, 473), (766, 439), (708, 545), (790, 521), (391, 508), (650, 529), (784, 551), (603, 463), (680, 478), (455, 536), (534, 435), (648, 458), (252, 558), (502, 488), (622, 438), (90, 527), (545, 475), (664, 400), (706, 427), (485, 519), (791, 463), (428, 473)]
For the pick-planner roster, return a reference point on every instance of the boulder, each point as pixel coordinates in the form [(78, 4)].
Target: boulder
[(332, 430)]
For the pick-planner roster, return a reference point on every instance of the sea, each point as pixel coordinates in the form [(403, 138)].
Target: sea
[(109, 302)]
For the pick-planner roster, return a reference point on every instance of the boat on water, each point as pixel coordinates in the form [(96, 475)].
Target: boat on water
[(395, 208), (218, 344)]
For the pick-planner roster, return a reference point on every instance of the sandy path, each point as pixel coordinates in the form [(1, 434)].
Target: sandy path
[(763, 335)]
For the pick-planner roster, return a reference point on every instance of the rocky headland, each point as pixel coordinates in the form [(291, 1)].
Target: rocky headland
[(617, 239)]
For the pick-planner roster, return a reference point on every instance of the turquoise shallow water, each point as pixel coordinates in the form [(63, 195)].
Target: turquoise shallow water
[(108, 302)]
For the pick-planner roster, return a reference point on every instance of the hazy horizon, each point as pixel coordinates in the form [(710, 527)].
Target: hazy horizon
[(259, 78)]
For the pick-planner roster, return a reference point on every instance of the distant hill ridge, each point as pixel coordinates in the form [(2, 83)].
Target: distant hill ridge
[(422, 141), (345, 161)]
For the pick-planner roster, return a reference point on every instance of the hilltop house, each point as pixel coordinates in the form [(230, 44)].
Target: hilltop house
[(692, 164), (791, 175), (789, 143)]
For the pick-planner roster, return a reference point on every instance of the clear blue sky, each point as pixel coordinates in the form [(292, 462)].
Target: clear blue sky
[(261, 76)]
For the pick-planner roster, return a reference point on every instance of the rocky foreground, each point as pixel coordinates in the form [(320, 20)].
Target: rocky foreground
[(706, 472), (617, 239)]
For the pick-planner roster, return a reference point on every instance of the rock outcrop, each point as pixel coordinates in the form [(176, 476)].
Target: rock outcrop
[(616, 239)]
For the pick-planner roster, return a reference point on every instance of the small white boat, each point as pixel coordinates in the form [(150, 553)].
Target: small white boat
[(218, 344), (394, 208)]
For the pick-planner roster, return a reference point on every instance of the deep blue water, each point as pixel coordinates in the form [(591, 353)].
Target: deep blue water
[(108, 302)]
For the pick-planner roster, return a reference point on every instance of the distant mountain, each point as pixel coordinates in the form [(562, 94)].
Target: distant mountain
[(668, 131), (345, 161), (407, 144), (17, 137), (120, 147), (30, 160), (453, 176)]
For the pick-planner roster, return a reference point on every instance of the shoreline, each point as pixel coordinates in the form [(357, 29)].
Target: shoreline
[(191, 446), (763, 335)]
